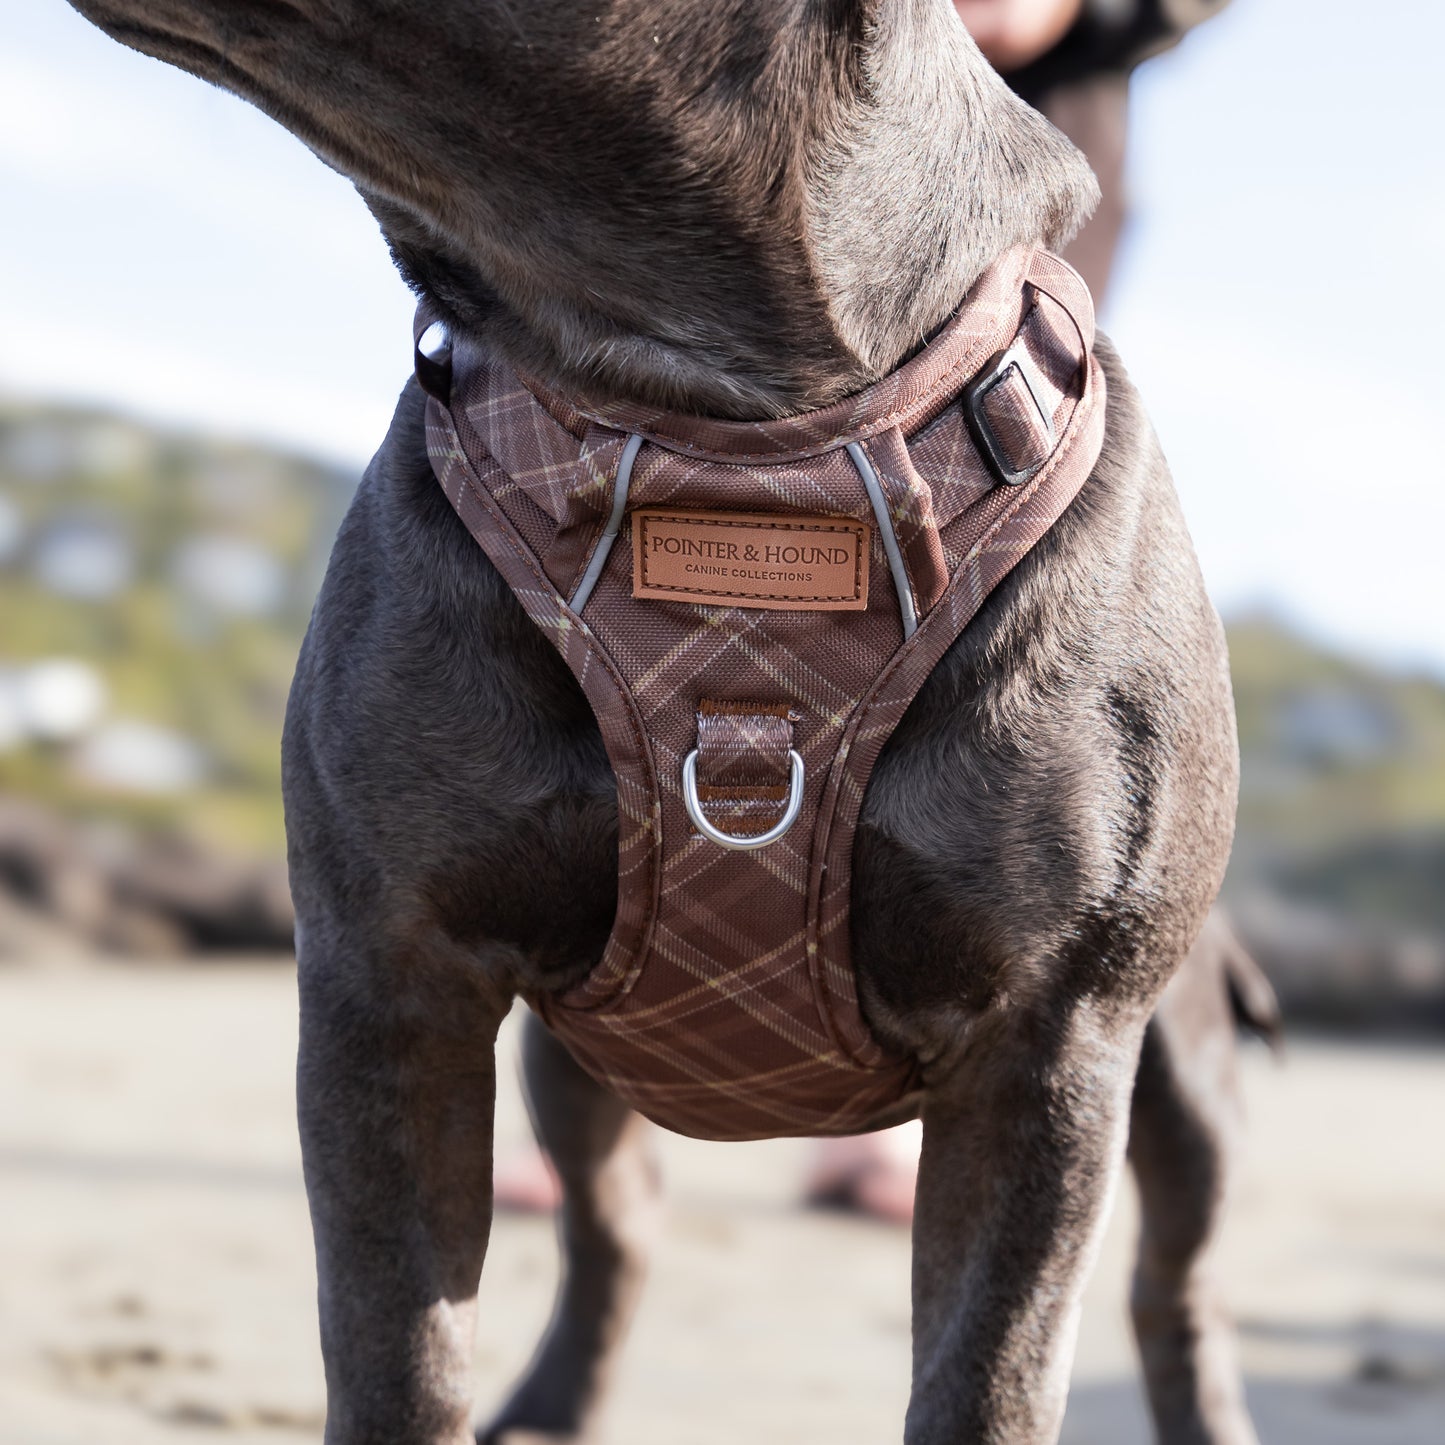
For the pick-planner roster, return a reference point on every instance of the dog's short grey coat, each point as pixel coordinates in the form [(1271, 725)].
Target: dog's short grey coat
[(742, 208)]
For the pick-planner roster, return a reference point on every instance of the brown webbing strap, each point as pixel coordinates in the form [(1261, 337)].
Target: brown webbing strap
[(742, 764)]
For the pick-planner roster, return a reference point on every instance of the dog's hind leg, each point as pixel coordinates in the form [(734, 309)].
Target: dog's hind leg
[(604, 1156), (1183, 1135), (395, 1091)]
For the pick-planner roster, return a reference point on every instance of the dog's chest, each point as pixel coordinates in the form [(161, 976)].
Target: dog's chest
[(749, 609)]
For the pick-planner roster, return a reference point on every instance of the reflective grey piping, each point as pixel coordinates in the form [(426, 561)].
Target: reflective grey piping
[(874, 489), (578, 600)]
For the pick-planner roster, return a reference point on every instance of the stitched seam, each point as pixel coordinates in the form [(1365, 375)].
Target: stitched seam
[(709, 707), (754, 596), (743, 792)]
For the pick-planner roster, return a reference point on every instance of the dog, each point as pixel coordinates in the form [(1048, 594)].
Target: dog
[(744, 209)]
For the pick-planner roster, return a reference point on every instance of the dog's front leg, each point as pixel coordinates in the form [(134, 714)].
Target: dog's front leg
[(1023, 1141), (396, 1085)]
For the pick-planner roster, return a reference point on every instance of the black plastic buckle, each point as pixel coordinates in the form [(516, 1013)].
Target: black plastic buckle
[(1013, 358), (432, 358)]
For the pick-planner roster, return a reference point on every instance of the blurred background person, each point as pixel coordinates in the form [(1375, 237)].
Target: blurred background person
[(1072, 60)]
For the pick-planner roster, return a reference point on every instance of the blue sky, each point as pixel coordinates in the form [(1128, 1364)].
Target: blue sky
[(167, 251)]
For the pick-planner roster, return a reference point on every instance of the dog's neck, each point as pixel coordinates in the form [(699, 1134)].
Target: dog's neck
[(763, 219), (745, 208)]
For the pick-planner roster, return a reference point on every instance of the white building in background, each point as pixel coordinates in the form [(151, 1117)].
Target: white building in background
[(57, 700), (139, 757)]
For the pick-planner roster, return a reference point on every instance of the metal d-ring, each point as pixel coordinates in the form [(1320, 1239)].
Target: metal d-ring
[(733, 840)]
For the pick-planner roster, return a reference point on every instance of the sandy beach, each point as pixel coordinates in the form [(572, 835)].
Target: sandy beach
[(156, 1280)]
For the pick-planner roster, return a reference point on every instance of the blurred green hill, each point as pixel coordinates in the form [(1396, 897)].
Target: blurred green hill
[(1342, 785), (181, 572), (154, 587)]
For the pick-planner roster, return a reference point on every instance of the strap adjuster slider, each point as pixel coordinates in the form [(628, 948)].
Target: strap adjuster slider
[(1015, 358)]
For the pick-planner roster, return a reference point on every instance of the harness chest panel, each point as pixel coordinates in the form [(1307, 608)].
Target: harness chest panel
[(777, 594)]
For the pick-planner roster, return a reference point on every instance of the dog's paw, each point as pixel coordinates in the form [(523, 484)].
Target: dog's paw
[(504, 1432), (523, 1435)]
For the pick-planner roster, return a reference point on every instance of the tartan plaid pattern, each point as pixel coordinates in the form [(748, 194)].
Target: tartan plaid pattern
[(1009, 407), (724, 1004), (742, 764)]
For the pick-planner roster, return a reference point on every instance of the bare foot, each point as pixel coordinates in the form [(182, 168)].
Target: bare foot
[(524, 1182), (870, 1174)]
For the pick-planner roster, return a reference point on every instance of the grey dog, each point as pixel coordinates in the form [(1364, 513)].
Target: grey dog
[(742, 208)]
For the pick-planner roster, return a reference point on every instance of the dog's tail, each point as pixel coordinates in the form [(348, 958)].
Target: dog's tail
[(1251, 995)]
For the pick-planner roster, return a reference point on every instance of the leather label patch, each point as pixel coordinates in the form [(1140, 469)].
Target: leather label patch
[(749, 559)]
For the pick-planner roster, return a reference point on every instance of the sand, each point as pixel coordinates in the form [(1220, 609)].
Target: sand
[(156, 1280)]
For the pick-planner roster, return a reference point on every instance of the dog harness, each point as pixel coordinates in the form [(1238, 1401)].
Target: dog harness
[(750, 607)]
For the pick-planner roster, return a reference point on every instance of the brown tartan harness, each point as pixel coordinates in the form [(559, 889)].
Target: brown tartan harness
[(788, 587)]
